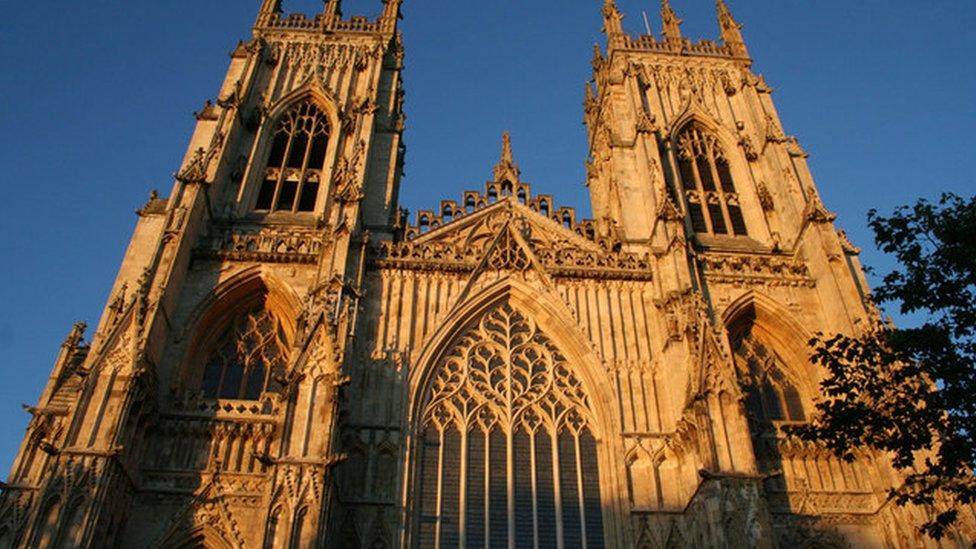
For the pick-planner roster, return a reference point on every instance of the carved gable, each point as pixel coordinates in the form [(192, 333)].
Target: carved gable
[(461, 245)]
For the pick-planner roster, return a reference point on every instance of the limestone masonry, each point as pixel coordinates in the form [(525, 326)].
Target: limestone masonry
[(287, 359)]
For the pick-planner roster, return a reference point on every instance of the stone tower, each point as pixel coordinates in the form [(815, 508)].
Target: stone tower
[(202, 411), (289, 360)]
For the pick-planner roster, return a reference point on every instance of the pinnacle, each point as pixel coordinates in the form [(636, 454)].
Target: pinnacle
[(507, 148), (506, 167)]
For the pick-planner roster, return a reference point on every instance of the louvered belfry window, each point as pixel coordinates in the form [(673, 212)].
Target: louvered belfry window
[(296, 161), (506, 456), (706, 181)]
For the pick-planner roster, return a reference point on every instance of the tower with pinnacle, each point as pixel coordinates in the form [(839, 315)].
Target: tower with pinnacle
[(289, 359)]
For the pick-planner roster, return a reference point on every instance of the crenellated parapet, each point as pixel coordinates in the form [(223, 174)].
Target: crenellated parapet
[(273, 18), (672, 42)]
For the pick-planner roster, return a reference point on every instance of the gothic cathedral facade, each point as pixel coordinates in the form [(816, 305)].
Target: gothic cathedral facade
[(287, 359)]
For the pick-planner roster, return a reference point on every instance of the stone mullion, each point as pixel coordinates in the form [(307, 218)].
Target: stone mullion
[(510, 444), (719, 191), (440, 489), (284, 163), (462, 486), (486, 516), (556, 487), (700, 189), (579, 489), (535, 491)]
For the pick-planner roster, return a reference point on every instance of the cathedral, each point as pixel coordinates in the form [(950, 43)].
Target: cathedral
[(288, 359)]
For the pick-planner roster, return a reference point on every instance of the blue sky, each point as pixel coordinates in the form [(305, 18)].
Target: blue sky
[(96, 102)]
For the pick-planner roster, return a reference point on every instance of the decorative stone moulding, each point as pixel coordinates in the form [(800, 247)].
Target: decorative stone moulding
[(272, 245)]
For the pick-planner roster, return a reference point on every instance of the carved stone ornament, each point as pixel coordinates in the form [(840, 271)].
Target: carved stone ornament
[(753, 269), (461, 246), (765, 197)]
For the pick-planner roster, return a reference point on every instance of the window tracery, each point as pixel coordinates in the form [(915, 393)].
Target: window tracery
[(771, 395), (293, 173), (706, 180), (507, 453), (248, 359)]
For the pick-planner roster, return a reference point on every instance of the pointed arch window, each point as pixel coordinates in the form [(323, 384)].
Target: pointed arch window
[(248, 359), (706, 181), (293, 172), (770, 394), (506, 454)]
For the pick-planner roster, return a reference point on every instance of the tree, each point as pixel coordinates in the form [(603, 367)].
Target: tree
[(911, 392)]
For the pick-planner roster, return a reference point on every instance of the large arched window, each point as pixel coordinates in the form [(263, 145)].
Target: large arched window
[(706, 180), (770, 394), (772, 398), (296, 161), (248, 358), (506, 455)]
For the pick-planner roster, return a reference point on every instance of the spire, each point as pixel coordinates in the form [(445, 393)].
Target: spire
[(670, 24), (507, 169), (731, 30), (612, 19)]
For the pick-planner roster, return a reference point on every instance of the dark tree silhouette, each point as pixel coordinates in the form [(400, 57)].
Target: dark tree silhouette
[(911, 392)]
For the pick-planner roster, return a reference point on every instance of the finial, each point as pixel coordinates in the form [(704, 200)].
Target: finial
[(333, 9), (731, 30), (76, 334), (670, 24), (588, 94), (270, 6), (391, 11), (506, 167), (612, 19), (268, 9), (507, 148), (597, 58)]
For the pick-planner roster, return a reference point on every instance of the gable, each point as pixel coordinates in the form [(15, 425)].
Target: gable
[(462, 244)]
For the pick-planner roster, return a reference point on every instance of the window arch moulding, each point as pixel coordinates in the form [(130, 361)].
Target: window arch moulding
[(243, 330)]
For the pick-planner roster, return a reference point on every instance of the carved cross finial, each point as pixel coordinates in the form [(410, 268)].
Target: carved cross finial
[(506, 167), (731, 29), (670, 23)]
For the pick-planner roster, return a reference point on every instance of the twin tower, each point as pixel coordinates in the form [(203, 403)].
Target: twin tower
[(289, 360)]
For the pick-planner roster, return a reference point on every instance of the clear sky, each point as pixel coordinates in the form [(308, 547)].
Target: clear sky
[(96, 102)]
